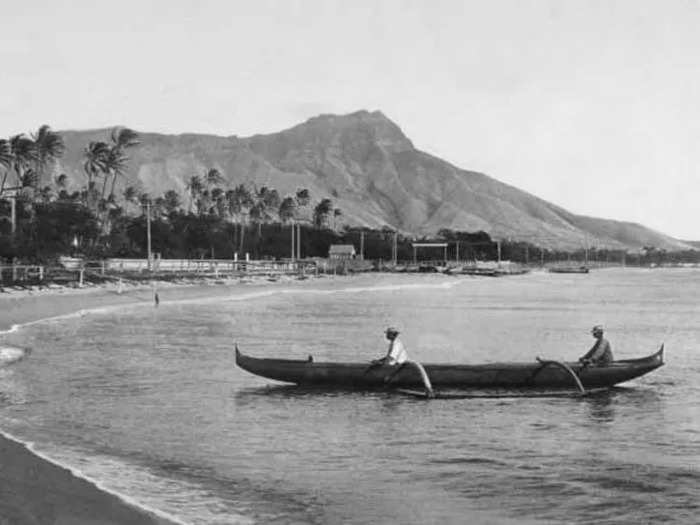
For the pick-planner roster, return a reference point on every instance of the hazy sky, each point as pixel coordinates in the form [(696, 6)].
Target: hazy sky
[(592, 105)]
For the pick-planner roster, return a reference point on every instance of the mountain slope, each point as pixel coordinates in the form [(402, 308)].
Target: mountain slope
[(373, 173)]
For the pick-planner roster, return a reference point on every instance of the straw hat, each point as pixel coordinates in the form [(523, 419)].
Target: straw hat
[(391, 330)]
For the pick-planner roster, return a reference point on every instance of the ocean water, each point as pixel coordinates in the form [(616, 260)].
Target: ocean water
[(149, 403)]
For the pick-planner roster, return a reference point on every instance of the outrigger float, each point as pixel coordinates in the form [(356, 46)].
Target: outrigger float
[(433, 380)]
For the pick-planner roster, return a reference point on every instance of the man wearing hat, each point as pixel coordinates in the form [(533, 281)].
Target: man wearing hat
[(396, 354), (601, 352)]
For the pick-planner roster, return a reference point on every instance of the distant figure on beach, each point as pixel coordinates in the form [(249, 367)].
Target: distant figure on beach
[(601, 352), (156, 299), (396, 354)]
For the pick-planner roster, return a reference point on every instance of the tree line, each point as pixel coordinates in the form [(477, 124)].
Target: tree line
[(217, 221), (40, 218)]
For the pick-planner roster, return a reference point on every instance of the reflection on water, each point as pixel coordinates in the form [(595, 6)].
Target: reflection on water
[(601, 408), (155, 404)]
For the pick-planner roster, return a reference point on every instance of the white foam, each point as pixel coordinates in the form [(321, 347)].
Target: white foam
[(10, 330), (72, 315), (10, 354), (242, 297), (317, 291)]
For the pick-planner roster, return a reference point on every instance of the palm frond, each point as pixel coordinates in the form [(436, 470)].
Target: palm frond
[(23, 150), (5, 153), (30, 179), (124, 137), (49, 144)]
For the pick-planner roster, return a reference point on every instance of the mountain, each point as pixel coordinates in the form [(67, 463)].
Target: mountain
[(372, 172)]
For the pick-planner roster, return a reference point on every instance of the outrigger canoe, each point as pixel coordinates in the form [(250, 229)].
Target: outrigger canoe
[(538, 374), (569, 269)]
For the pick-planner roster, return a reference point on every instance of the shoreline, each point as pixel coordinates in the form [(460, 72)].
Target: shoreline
[(21, 307), (33, 488), (36, 490)]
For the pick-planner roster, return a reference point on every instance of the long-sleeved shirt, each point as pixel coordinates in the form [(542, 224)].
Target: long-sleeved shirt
[(601, 353), (397, 353)]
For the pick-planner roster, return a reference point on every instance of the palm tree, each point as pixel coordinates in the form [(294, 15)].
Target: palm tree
[(30, 179), (61, 181), (213, 177), (218, 197), (195, 187), (6, 159), (303, 198), (46, 194), (122, 139), (159, 207), (171, 201), (336, 213), (115, 165), (144, 199), (240, 202), (130, 194), (257, 213), (24, 154), (95, 163), (322, 211), (287, 209), (270, 200), (49, 147)]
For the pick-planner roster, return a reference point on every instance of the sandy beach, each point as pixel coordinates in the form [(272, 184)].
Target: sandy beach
[(36, 491)]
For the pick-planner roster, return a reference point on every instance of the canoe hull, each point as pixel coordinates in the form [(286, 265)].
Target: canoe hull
[(496, 375), (582, 269)]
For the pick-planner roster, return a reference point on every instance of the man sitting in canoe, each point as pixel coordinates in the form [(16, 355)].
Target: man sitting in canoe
[(396, 354), (601, 352)]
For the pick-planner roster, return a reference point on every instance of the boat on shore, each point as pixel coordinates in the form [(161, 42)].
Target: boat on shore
[(532, 375), (569, 269)]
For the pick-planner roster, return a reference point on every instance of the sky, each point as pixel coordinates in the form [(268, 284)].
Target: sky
[(591, 105)]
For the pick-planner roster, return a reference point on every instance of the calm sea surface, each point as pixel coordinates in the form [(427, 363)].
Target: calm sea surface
[(148, 402)]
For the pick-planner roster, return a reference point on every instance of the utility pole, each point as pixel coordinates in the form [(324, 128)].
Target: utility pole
[(13, 213), (498, 247), (362, 245), (293, 226), (395, 250), (298, 241), (148, 233)]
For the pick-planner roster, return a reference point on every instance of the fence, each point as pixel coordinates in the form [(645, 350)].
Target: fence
[(202, 266), (21, 272)]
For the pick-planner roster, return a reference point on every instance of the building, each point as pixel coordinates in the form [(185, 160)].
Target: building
[(341, 252)]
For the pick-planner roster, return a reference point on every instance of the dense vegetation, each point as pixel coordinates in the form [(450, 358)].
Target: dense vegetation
[(215, 221)]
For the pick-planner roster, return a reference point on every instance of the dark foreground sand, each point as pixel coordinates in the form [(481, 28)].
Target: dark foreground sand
[(35, 491)]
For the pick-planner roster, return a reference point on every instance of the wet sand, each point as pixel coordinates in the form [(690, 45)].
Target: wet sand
[(33, 490), (36, 491)]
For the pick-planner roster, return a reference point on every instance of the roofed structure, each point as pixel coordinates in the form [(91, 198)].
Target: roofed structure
[(342, 251)]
